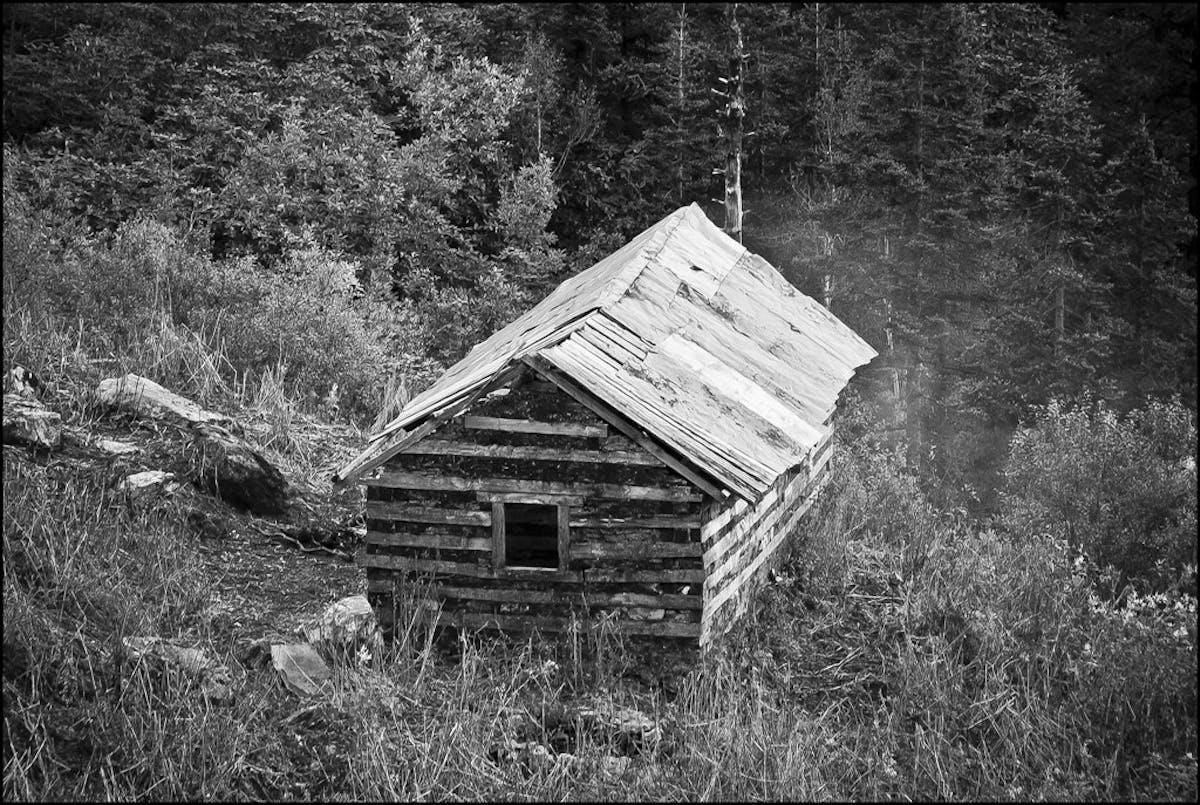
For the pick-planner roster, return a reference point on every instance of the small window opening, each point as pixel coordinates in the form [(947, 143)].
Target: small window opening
[(530, 535)]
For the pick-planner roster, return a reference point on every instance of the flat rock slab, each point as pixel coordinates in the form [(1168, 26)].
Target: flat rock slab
[(144, 397), (300, 667), (27, 421)]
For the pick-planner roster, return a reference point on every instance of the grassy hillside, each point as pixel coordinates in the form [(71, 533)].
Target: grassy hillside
[(900, 652)]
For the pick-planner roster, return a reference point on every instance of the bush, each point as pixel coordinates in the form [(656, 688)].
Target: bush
[(309, 316), (1121, 489), (146, 300)]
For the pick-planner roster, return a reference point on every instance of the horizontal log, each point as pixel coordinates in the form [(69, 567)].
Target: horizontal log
[(622, 424), (452, 542), (439, 447), (568, 598), (681, 523), (483, 620), (404, 513), (410, 565), (634, 550), (544, 498), (618, 444), (541, 574), (672, 576), (434, 482), (529, 426)]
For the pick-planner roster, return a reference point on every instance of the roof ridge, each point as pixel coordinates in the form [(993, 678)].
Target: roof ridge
[(645, 258)]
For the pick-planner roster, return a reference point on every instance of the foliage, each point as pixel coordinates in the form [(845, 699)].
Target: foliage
[(143, 290), (1120, 488)]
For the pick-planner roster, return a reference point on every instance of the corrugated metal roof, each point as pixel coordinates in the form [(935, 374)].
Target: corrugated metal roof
[(690, 336)]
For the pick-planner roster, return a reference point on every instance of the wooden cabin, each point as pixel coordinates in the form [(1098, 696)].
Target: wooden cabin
[(637, 447)]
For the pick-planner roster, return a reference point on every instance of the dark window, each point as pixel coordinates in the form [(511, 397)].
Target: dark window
[(530, 535)]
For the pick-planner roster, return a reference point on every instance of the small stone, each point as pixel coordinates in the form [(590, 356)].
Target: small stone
[(345, 627), (22, 381), (113, 447), (255, 652), (217, 682), (142, 484)]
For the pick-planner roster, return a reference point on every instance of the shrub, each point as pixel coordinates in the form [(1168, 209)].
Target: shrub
[(146, 300), (1122, 489), (308, 315)]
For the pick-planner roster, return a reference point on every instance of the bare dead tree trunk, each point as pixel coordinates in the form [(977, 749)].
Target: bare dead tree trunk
[(679, 156), (735, 113)]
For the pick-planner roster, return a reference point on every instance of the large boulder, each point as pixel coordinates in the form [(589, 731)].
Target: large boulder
[(27, 421), (236, 473), (145, 398)]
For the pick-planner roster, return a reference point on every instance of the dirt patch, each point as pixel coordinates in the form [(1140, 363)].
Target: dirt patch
[(262, 585)]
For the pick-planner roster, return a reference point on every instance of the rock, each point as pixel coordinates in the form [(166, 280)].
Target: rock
[(628, 730), (20, 380), (115, 448), (143, 484), (143, 397), (531, 755), (346, 627), (300, 667), (27, 421), (255, 653), (193, 660), (236, 473), (217, 682)]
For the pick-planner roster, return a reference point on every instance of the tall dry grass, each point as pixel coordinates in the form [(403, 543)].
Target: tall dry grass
[(984, 670)]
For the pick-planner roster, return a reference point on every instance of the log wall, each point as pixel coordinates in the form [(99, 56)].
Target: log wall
[(741, 541), (633, 525)]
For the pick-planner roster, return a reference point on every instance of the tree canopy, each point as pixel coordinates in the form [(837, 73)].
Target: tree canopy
[(997, 203)]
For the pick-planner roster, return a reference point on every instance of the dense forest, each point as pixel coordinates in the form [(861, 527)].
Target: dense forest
[(997, 197), (341, 199)]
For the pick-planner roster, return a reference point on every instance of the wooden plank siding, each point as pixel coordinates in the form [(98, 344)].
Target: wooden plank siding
[(628, 526), (741, 542)]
